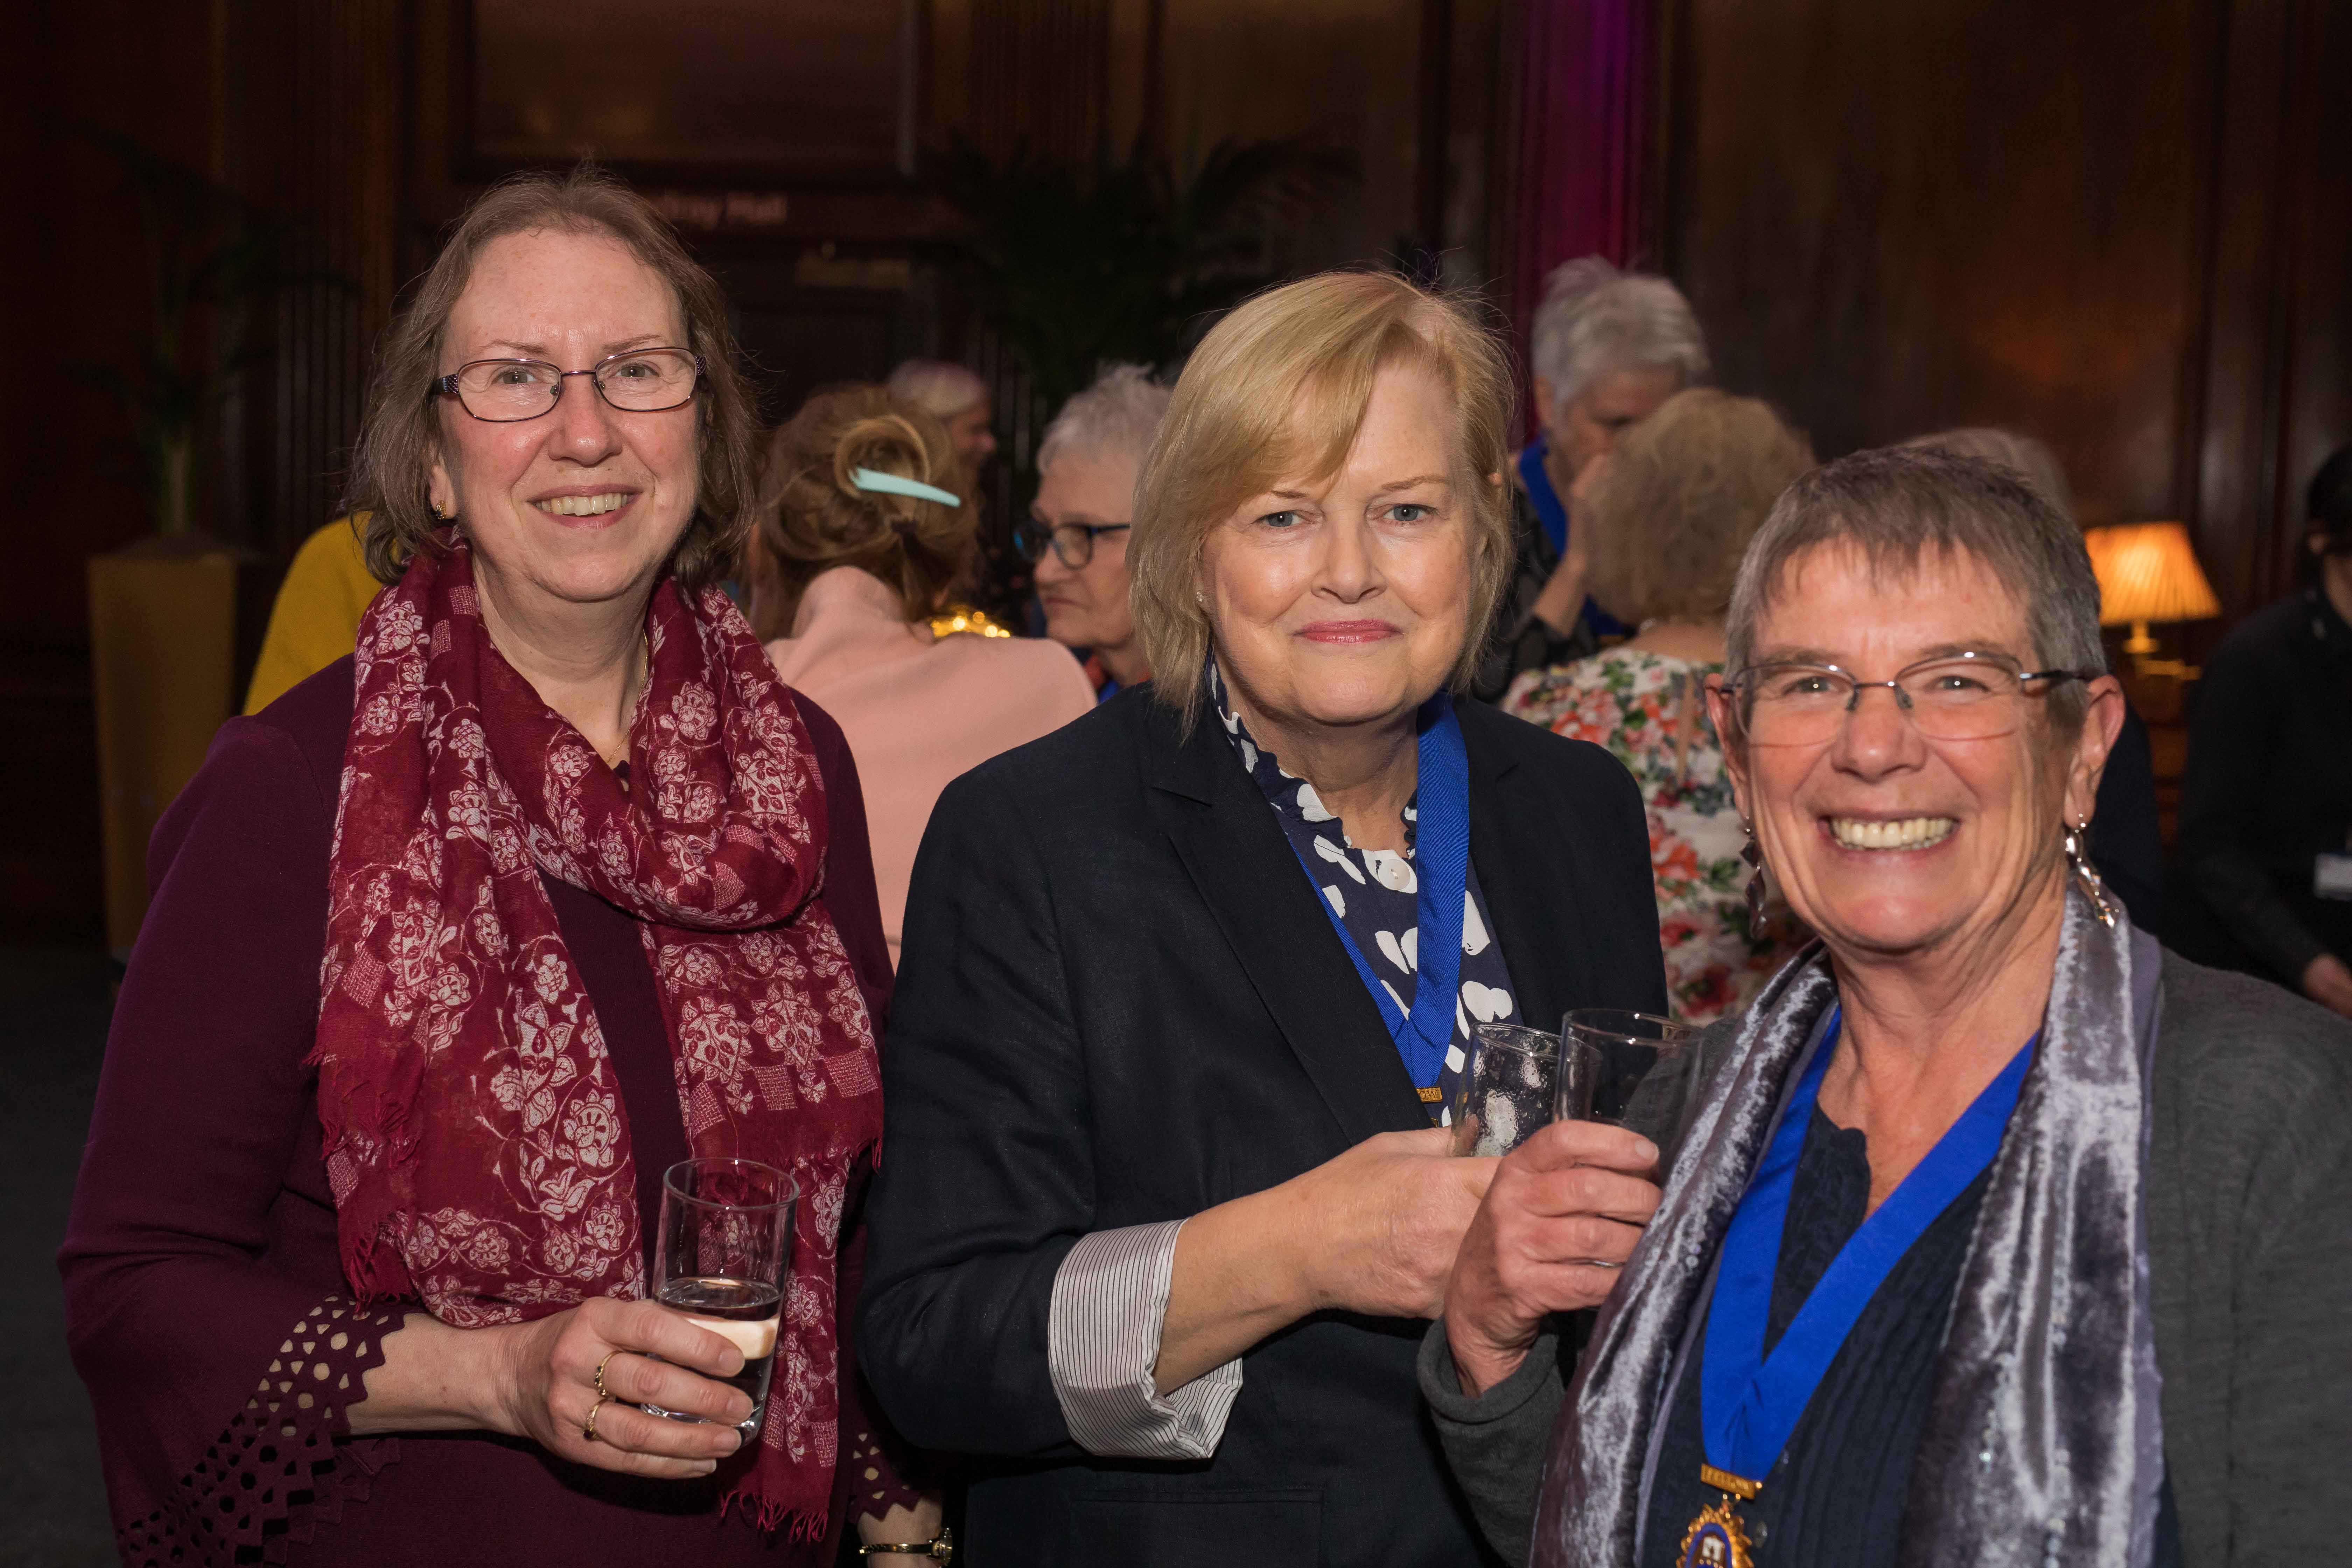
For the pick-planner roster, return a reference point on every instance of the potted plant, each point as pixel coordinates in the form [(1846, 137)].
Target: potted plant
[(1081, 265), (162, 608)]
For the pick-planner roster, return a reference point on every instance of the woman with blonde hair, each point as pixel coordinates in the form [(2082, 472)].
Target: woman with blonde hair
[(1185, 984), (1670, 513), (865, 519)]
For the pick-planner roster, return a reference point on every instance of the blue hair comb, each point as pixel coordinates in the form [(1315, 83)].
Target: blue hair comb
[(891, 484)]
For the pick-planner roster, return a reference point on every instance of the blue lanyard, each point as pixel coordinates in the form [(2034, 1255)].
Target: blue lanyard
[(1442, 868), (1549, 509), (1748, 1403)]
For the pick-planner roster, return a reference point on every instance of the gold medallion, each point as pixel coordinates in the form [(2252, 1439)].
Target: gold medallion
[(1716, 1539)]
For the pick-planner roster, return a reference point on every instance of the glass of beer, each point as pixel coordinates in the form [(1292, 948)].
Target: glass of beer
[(726, 1238)]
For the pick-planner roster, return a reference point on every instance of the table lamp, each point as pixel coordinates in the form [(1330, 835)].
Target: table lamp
[(2149, 572)]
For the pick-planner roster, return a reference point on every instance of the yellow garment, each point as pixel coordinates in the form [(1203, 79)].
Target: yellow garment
[(316, 620)]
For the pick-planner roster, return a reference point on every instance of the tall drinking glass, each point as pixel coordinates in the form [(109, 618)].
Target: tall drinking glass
[(726, 1238), (1644, 1065)]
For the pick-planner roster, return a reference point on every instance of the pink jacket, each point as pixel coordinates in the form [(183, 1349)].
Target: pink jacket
[(917, 710)]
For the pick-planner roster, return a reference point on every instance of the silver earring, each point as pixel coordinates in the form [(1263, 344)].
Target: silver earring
[(1757, 889), (2087, 877)]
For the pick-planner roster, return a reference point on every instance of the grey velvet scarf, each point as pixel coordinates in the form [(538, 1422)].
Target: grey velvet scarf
[(2042, 1443)]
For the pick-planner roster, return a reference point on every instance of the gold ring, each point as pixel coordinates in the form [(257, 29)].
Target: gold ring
[(588, 1432), (601, 1392)]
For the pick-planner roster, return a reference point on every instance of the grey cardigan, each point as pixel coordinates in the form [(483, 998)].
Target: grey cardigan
[(2249, 1253)]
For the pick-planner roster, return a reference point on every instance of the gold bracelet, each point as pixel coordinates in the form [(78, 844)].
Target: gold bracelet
[(940, 1548)]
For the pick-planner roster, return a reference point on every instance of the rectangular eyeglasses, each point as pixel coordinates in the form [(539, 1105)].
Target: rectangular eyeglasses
[(1072, 543), (635, 380), (1956, 696)]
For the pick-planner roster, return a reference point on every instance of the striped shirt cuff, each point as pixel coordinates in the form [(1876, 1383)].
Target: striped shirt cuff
[(1111, 1301)]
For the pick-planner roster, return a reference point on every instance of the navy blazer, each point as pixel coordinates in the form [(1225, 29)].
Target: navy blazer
[(1119, 1002)]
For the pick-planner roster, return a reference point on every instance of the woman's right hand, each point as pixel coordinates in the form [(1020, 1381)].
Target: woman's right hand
[(1379, 1224), (2327, 981), (543, 1384), (1560, 1216)]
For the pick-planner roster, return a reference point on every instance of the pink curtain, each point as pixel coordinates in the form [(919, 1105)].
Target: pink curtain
[(1585, 82)]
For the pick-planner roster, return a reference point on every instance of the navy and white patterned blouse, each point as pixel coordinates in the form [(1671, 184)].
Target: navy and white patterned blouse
[(1373, 893)]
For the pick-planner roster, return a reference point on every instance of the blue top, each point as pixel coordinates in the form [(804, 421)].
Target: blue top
[(1551, 512)]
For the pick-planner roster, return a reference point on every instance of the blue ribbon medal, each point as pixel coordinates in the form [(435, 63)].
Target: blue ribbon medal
[(1441, 870), (1749, 1402)]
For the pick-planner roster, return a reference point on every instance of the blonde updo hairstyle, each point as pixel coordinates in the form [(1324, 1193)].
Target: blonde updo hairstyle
[(1278, 389), (811, 517), (1684, 492)]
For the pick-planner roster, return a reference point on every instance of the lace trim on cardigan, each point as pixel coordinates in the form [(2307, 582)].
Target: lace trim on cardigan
[(878, 1477), (281, 1466)]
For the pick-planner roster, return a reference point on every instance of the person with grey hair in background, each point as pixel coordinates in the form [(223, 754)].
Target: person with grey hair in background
[(2127, 846), (1991, 1231), (1608, 347), (954, 396), (1076, 532)]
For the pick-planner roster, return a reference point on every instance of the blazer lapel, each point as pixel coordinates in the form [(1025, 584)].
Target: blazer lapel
[(1530, 885), (1226, 835)]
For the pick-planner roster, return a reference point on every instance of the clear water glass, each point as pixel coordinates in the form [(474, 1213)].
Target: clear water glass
[(1645, 1063)]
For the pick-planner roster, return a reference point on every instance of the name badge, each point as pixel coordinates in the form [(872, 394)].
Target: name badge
[(2331, 876)]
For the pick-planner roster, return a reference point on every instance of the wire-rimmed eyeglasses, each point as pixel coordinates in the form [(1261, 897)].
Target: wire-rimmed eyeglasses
[(1954, 697), (634, 381), (1072, 543)]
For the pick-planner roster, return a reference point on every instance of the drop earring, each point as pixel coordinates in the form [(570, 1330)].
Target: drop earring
[(1759, 891), (2086, 875)]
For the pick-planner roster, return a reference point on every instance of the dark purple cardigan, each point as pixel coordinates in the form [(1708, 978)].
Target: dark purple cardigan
[(205, 1302)]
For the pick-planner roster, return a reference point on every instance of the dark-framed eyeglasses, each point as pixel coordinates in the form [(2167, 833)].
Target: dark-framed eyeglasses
[(1953, 697), (634, 381), (1072, 543)]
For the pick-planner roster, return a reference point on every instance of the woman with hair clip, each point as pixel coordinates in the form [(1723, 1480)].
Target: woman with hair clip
[(863, 523)]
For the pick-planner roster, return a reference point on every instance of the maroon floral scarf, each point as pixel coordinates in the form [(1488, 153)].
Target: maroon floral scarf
[(475, 1138)]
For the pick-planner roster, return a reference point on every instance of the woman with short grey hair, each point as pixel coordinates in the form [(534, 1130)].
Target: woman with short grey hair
[(1993, 1232), (952, 394), (1088, 465), (1607, 348)]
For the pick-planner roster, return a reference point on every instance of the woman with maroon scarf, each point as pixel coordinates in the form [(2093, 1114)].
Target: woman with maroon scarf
[(457, 946)]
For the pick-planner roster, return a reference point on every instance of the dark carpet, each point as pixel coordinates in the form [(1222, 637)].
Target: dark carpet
[(53, 1011)]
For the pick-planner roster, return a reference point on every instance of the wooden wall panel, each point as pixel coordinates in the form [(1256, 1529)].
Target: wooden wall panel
[(1896, 217), (2117, 224), (315, 133)]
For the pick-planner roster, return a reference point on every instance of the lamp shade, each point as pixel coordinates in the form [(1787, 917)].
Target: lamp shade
[(2149, 572)]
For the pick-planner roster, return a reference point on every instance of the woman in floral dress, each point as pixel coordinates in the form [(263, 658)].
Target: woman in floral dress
[(1673, 510)]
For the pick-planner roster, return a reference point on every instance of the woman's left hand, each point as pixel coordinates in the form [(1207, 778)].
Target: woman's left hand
[(1563, 1212)]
